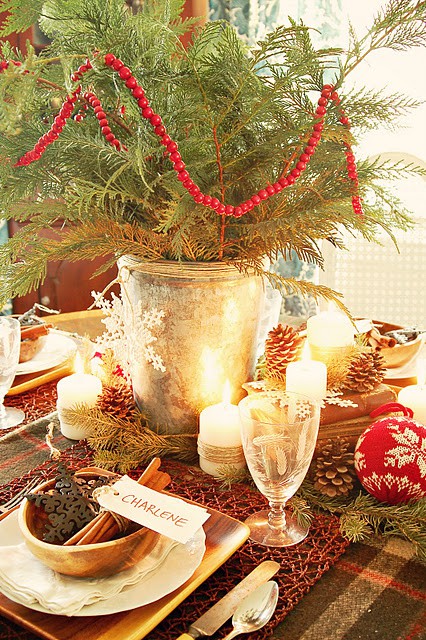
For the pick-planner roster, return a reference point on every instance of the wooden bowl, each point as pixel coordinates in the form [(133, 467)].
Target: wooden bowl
[(30, 348), (400, 354), (84, 561)]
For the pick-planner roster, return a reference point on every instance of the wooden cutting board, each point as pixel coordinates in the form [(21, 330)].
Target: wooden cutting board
[(224, 535)]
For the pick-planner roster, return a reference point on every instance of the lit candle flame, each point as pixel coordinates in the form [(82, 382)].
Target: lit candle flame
[(78, 364), (226, 395), (211, 374), (306, 352)]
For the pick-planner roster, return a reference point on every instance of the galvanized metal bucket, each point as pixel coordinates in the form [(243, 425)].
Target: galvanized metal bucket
[(211, 324)]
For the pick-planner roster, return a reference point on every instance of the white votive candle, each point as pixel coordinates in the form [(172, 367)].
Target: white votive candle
[(414, 397), (220, 428), (307, 377), (77, 389)]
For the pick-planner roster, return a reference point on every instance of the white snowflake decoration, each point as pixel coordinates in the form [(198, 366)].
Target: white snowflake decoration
[(333, 397), (129, 334)]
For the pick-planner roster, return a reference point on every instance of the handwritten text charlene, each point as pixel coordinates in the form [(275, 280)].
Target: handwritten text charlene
[(157, 512)]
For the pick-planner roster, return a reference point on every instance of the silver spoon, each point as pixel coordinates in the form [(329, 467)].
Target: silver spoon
[(255, 610)]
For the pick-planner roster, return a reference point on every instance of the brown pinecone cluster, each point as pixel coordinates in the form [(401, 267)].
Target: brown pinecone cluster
[(282, 346), (365, 372), (333, 469), (117, 400)]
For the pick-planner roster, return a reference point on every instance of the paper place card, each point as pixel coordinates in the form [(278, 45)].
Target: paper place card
[(162, 513)]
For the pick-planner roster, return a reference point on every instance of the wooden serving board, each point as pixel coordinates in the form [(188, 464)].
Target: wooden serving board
[(28, 381), (224, 535)]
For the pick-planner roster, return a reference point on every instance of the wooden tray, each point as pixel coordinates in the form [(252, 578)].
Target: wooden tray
[(28, 381), (224, 535)]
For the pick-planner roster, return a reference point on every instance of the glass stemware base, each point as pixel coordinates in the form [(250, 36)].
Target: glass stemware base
[(262, 532), (11, 417)]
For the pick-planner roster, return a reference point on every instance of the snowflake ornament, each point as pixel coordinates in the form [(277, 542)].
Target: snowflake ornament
[(129, 333), (334, 397)]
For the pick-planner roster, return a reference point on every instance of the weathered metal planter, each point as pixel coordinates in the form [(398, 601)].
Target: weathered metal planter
[(209, 337)]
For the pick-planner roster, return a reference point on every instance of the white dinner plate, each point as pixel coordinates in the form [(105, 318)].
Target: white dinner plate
[(56, 350), (176, 569)]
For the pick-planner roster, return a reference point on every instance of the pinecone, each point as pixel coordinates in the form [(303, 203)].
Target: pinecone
[(365, 372), (117, 401), (333, 469), (282, 346)]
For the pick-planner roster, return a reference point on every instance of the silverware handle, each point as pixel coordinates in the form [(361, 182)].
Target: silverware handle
[(185, 636)]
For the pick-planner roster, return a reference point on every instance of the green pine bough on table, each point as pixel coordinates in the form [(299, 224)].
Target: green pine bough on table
[(242, 119), (361, 516), (121, 444)]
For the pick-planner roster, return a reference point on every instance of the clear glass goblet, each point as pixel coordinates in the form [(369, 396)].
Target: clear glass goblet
[(278, 431), (10, 344)]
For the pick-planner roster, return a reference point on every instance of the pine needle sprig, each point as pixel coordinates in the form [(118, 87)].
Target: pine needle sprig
[(362, 515), (123, 444)]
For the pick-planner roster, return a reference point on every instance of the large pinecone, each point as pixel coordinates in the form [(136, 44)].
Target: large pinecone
[(365, 372), (333, 469), (282, 346), (117, 401)]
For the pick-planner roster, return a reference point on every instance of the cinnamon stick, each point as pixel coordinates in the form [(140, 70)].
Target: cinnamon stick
[(377, 340), (34, 331)]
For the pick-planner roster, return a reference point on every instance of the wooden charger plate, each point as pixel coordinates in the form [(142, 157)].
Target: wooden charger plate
[(28, 381), (224, 535)]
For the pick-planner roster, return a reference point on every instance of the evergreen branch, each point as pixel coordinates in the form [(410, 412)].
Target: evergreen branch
[(18, 21), (122, 444), (399, 27), (240, 118), (363, 514), (290, 286)]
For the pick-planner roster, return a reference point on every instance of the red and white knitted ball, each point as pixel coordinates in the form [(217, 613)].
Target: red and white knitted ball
[(390, 459)]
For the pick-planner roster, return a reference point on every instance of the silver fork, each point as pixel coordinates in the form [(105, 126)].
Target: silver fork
[(20, 495)]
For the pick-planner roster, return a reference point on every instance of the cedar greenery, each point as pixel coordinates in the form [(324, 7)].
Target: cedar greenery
[(361, 515), (240, 116)]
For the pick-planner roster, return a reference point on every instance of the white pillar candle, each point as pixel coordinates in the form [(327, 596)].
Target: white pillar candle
[(330, 334), (76, 389), (330, 329), (414, 396), (220, 428), (307, 377)]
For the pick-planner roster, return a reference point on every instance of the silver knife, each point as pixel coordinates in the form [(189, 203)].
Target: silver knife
[(220, 612)]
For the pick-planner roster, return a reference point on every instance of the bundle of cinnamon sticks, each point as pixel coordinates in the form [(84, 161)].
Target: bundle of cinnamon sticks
[(378, 340), (105, 525)]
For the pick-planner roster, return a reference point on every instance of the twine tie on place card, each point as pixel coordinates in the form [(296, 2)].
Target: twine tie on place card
[(121, 521), (220, 455)]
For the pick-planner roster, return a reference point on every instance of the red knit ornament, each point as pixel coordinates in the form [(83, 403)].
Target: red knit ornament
[(390, 459)]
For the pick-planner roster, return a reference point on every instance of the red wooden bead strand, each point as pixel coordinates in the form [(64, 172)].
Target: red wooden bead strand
[(327, 93), (100, 115), (58, 123), (350, 159)]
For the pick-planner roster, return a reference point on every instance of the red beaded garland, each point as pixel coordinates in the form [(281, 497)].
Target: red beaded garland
[(102, 119), (327, 93)]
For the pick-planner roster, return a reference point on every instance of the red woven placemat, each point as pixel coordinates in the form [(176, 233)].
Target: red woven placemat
[(301, 566)]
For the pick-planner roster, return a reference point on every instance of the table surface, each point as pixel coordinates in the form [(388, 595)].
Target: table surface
[(375, 590)]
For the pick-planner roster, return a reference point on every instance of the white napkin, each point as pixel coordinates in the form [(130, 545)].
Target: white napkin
[(26, 579)]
